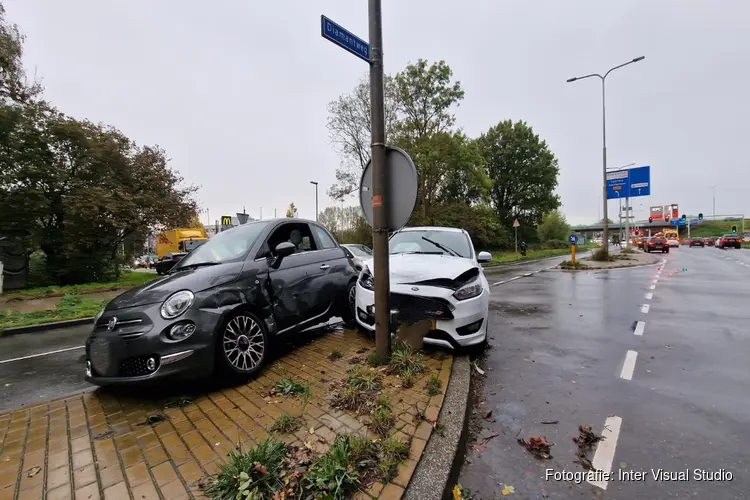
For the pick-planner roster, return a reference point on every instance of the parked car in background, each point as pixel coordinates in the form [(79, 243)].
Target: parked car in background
[(696, 242), (657, 244), (709, 241), (357, 253), (435, 275), (730, 241), (168, 262), (223, 304)]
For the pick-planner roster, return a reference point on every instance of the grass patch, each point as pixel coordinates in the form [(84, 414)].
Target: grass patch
[(406, 360), (505, 257), (602, 255), (433, 386), (69, 307), (128, 279), (335, 355), (358, 392), (256, 474), (407, 380), (289, 387), (382, 417), (393, 451), (286, 424), (372, 359), (714, 228), (569, 265)]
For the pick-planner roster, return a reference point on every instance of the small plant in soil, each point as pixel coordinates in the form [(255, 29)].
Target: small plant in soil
[(255, 474), (405, 359), (602, 255), (569, 265), (286, 424), (334, 356), (382, 417), (433, 386), (358, 392), (393, 451), (372, 359), (364, 378), (289, 387), (407, 380)]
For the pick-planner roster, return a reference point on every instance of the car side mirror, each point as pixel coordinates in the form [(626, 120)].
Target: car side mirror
[(283, 249), (484, 257)]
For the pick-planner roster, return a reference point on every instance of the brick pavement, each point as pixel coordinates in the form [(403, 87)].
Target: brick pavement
[(97, 445)]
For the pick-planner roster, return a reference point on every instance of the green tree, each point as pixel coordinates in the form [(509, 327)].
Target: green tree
[(13, 83), (523, 172), (349, 128), (331, 218), (553, 227), (291, 211)]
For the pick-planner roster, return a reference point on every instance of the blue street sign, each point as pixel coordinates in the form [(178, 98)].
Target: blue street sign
[(344, 38), (629, 183), (676, 222), (573, 239)]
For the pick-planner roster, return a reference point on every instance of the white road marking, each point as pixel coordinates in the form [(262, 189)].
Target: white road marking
[(652, 287), (515, 278), (645, 308), (605, 450), (655, 281), (498, 283), (41, 354), (528, 274), (649, 296), (629, 366), (639, 327)]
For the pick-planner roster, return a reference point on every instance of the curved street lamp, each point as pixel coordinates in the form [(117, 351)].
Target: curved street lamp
[(605, 236)]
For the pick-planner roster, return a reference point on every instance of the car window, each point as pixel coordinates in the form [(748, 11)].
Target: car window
[(297, 233), (430, 241), (325, 239), (230, 245), (360, 251)]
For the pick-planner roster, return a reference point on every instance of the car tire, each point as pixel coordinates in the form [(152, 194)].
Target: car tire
[(249, 334), (667, 250), (348, 312)]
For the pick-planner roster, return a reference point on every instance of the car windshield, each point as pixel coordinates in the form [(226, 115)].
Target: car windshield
[(430, 241), (359, 250), (226, 246)]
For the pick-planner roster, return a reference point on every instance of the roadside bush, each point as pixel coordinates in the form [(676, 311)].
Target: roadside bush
[(555, 244)]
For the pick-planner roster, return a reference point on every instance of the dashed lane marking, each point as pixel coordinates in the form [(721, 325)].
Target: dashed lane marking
[(645, 308), (517, 277), (639, 327), (41, 354), (605, 450), (629, 366), (652, 287), (649, 296)]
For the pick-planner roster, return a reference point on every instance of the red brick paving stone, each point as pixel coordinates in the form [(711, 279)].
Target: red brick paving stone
[(137, 474), (174, 491), (145, 491), (164, 474), (60, 493), (58, 477), (84, 476)]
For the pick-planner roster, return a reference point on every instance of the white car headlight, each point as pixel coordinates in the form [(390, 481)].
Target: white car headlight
[(366, 280), (470, 290), (176, 304)]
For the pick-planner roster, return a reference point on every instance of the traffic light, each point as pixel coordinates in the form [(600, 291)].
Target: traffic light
[(734, 229), (700, 216), (651, 219), (666, 218), (636, 232), (684, 217)]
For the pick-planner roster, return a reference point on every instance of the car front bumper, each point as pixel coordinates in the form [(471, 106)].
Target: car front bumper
[(138, 350), (467, 327)]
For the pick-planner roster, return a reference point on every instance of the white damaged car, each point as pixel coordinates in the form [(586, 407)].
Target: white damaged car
[(436, 273)]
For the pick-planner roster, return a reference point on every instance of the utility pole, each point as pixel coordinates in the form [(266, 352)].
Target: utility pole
[(274, 213), (379, 187), (627, 222), (316, 199), (261, 213), (713, 189)]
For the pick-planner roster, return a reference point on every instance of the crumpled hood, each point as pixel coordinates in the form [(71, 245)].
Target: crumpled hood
[(413, 268), (195, 280)]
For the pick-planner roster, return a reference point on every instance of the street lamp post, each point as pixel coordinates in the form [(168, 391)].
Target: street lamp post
[(605, 236), (316, 199), (713, 189)]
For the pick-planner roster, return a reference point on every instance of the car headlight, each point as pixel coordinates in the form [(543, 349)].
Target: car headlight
[(366, 279), (471, 290), (176, 304)]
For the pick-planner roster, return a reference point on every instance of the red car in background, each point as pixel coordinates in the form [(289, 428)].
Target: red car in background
[(709, 241), (696, 242), (730, 240)]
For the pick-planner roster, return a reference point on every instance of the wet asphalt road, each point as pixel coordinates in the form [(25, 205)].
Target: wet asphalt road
[(561, 353)]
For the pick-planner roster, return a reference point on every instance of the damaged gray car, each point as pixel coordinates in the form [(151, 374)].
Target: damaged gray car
[(223, 305)]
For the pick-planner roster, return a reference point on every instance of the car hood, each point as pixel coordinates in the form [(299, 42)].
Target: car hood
[(196, 280), (420, 268)]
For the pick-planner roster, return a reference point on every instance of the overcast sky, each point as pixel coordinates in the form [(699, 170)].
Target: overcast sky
[(236, 91)]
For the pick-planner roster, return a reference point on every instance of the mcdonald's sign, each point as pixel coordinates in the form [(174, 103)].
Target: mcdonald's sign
[(226, 220)]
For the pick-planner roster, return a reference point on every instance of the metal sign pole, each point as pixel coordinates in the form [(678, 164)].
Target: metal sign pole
[(627, 222), (379, 187)]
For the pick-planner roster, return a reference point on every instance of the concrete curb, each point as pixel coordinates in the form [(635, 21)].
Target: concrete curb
[(438, 469), (529, 261), (45, 326)]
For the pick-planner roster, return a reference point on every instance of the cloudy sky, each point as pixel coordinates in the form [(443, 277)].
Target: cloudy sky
[(236, 91)]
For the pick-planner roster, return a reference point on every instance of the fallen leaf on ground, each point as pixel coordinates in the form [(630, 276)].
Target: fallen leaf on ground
[(507, 490), (479, 370), (537, 446), (34, 471), (488, 414), (586, 440), (457, 492)]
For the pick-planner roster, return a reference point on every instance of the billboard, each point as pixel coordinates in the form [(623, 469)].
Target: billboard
[(672, 210), (629, 183), (656, 212)]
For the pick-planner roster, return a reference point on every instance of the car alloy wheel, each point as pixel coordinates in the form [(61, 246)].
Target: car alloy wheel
[(243, 344), (353, 300)]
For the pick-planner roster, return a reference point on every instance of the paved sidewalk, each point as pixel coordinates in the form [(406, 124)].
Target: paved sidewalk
[(100, 445)]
